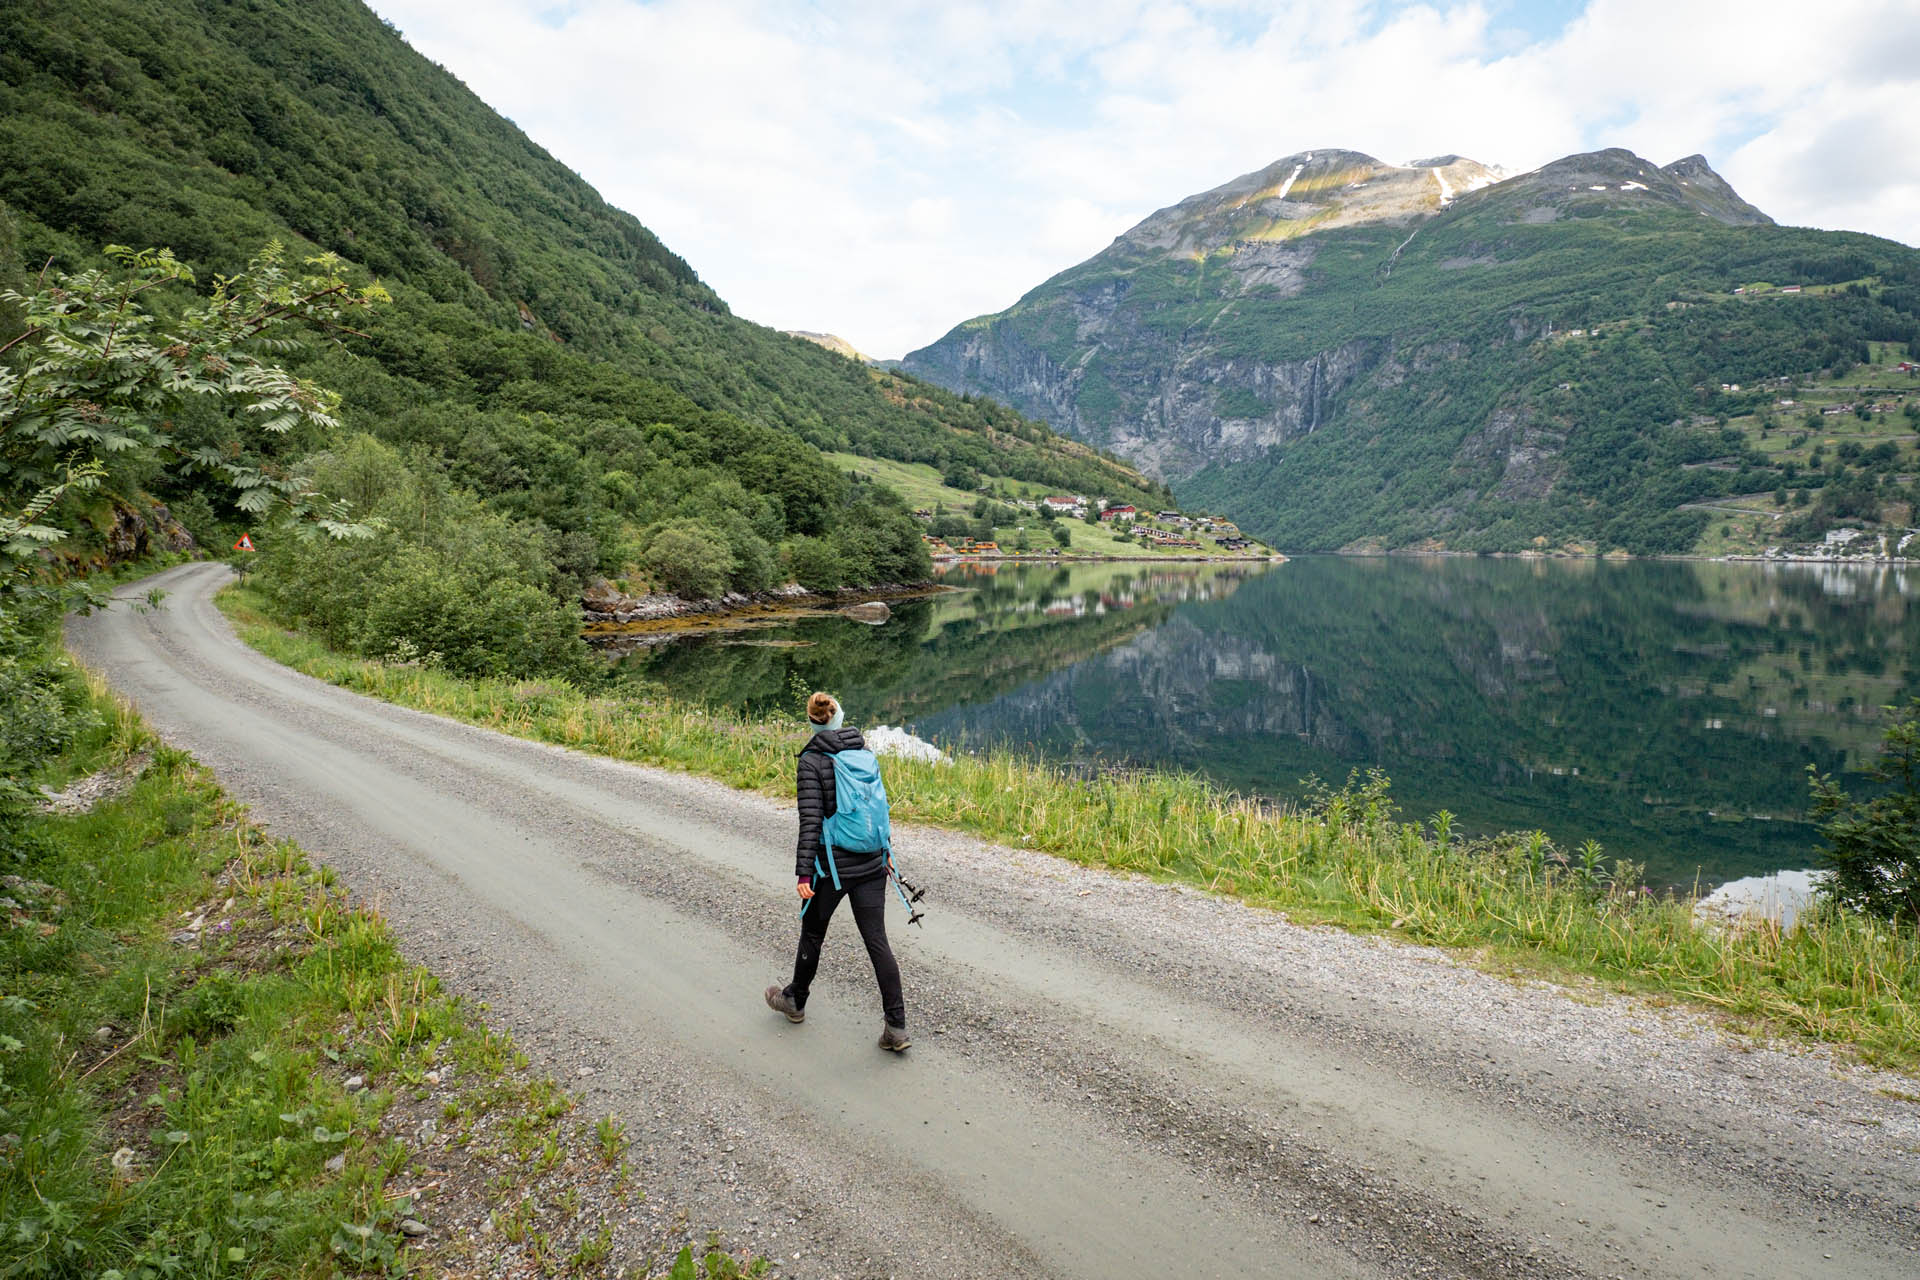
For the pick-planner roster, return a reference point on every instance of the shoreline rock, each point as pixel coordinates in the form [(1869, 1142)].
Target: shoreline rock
[(601, 602)]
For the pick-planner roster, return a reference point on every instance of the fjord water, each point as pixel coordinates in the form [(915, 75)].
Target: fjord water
[(1667, 710)]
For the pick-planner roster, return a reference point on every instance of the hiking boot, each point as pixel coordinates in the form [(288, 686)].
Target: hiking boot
[(894, 1039), (780, 1002)]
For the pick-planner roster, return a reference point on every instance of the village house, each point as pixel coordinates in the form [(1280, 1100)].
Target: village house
[(1063, 506), (1121, 512)]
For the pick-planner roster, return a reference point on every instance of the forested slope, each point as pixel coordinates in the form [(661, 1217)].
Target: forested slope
[(546, 370)]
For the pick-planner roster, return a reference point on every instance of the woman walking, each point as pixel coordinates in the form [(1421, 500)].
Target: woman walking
[(824, 876)]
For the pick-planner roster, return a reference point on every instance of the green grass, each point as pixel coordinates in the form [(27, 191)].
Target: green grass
[(1783, 435), (921, 485), (923, 488), (174, 1110), (1515, 903), (210, 1070)]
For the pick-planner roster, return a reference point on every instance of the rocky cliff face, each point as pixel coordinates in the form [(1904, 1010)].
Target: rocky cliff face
[(1089, 360), (1170, 404)]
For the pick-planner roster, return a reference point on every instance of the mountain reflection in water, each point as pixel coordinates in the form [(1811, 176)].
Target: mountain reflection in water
[(1668, 710)]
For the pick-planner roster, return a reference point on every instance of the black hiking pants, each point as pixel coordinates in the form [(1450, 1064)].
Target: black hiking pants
[(869, 898)]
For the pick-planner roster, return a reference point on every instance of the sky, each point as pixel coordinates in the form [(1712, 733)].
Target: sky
[(885, 169)]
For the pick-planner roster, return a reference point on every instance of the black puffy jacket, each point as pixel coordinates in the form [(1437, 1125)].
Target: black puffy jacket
[(814, 789)]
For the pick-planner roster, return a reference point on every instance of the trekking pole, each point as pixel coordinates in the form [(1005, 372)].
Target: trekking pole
[(901, 887)]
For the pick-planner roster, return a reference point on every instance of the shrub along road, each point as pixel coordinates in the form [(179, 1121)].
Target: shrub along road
[(1110, 1077)]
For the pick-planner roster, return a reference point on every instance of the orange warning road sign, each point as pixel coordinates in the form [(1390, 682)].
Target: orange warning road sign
[(245, 543)]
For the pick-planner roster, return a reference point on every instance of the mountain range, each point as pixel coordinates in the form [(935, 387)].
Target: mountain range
[(1344, 353)]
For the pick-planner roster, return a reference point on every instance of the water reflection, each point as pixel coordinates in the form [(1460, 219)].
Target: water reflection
[(1668, 710)]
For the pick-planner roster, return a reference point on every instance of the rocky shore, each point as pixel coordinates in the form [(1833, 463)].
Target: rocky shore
[(605, 608)]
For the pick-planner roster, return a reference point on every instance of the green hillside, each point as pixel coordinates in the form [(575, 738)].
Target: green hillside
[(548, 373), (1341, 353)]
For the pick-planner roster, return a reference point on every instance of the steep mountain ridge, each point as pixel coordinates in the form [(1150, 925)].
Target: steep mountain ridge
[(1302, 193), (1339, 351), (1618, 180)]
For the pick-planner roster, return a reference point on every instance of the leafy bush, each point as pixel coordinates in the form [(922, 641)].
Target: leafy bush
[(40, 708), (1873, 846), (450, 582), (815, 564), (690, 559)]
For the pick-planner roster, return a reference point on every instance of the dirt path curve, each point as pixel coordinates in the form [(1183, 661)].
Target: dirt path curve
[(1110, 1078)]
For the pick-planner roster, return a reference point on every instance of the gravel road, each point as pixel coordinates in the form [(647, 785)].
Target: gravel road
[(1110, 1077)]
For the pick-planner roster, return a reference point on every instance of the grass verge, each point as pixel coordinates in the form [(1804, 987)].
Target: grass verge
[(1516, 901), (213, 1064)]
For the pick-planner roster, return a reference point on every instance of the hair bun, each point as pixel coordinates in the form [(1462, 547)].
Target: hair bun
[(820, 708)]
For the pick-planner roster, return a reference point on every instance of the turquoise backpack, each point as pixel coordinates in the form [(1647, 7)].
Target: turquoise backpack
[(859, 823)]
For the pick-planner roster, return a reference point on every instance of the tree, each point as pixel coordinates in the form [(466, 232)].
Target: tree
[(690, 559), (94, 377), (1872, 848), (1062, 535), (959, 475), (815, 564)]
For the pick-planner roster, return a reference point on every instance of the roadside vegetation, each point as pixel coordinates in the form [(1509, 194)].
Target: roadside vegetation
[(1345, 858), (213, 1063)]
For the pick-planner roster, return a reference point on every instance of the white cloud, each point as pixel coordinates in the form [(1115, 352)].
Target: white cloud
[(886, 170)]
